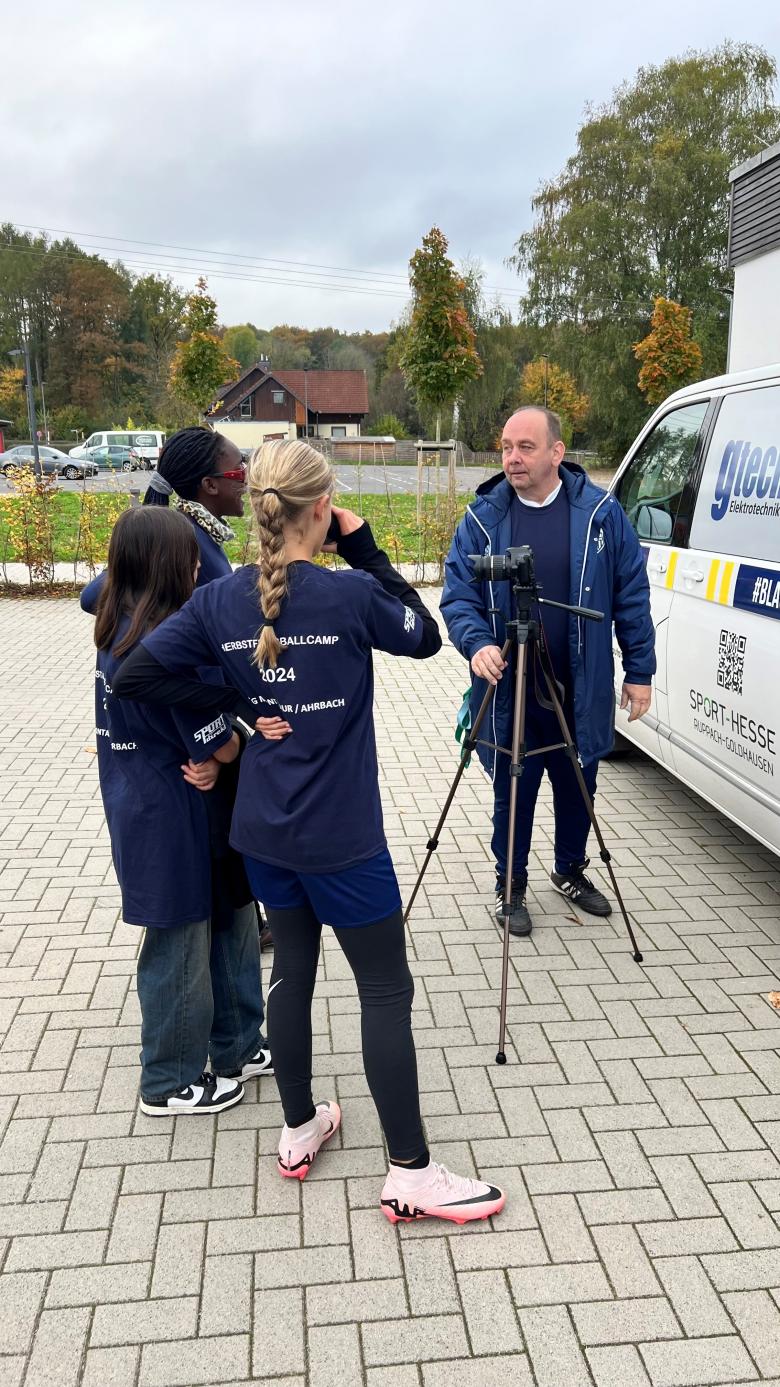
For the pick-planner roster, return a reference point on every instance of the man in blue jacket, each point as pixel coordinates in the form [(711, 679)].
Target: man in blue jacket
[(585, 553)]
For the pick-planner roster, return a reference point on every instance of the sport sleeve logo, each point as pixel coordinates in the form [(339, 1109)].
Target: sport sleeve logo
[(410, 619), (211, 730)]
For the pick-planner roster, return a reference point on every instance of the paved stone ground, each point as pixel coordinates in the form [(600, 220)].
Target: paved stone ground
[(636, 1127)]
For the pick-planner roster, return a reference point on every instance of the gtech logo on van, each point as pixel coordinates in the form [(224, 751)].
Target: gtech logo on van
[(746, 471)]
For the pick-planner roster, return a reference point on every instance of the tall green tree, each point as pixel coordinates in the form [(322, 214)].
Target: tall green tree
[(503, 347), (439, 353), (241, 342), (641, 210), (157, 308), (200, 365)]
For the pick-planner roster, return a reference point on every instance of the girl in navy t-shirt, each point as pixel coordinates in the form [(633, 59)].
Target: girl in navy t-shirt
[(199, 988), (294, 643)]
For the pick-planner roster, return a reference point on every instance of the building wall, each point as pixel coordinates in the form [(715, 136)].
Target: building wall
[(326, 430), (250, 433), (754, 337)]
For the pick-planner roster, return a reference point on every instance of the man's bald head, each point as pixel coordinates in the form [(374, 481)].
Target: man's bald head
[(553, 421), (532, 451)]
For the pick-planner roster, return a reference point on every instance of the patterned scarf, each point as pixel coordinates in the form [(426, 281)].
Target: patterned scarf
[(213, 526)]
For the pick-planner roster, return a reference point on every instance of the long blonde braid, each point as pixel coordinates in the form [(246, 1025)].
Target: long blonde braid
[(284, 478)]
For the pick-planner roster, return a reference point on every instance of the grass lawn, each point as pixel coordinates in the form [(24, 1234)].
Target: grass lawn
[(393, 520)]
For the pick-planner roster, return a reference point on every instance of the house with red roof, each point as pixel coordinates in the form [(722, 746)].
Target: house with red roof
[(264, 403)]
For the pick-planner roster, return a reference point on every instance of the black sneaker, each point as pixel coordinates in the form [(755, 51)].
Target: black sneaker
[(579, 889), (208, 1094), (519, 920)]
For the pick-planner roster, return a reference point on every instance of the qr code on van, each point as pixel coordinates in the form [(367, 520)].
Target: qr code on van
[(731, 661)]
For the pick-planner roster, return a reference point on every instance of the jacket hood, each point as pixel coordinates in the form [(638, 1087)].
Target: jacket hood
[(494, 496)]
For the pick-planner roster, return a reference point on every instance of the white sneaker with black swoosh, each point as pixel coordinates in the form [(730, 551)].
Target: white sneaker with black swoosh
[(208, 1094), (299, 1145), (435, 1192)]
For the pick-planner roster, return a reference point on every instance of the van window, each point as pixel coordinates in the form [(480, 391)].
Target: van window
[(93, 441), (651, 487), (738, 506), (121, 440)]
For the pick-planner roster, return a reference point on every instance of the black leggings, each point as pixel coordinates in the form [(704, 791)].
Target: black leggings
[(377, 956)]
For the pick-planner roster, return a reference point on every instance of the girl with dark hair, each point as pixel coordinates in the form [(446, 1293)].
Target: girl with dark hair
[(199, 965), (295, 642), (207, 474)]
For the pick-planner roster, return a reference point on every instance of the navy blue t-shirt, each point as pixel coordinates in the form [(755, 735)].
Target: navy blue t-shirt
[(214, 563), (158, 824), (546, 530), (310, 802)]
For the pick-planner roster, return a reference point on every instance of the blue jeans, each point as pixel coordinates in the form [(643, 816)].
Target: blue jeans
[(572, 823), (200, 995)]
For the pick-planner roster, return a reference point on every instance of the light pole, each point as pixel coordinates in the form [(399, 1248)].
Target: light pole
[(41, 384), (24, 351), (306, 401)]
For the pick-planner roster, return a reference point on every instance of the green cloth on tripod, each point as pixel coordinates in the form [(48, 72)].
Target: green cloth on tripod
[(463, 724)]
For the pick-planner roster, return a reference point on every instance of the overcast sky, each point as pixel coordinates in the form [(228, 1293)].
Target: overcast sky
[(327, 132)]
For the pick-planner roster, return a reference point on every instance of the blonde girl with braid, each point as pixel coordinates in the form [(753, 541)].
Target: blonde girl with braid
[(295, 642)]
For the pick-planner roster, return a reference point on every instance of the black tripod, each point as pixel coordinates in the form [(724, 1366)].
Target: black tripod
[(523, 635)]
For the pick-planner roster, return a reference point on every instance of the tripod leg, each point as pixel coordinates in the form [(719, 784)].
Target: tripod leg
[(604, 852), (468, 746), (515, 771)]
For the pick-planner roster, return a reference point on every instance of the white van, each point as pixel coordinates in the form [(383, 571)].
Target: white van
[(701, 487), (146, 442)]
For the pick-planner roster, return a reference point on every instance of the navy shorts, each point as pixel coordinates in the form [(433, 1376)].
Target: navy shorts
[(358, 895)]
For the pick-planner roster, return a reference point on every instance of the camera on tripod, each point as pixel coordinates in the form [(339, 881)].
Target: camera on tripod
[(513, 566)]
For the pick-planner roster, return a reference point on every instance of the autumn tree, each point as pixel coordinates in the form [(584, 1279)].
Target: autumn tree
[(201, 364), (543, 382), (669, 358), (13, 405), (439, 353), (640, 210)]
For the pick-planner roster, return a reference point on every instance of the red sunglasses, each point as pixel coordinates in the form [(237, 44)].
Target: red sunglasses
[(238, 475)]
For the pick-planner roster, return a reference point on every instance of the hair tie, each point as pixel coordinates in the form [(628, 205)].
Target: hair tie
[(267, 622), (160, 483), (271, 491)]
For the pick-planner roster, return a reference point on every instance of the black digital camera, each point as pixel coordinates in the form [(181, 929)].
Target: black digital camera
[(513, 566)]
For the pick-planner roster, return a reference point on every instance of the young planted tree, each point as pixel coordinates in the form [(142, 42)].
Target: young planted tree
[(669, 356), (439, 354), (200, 364)]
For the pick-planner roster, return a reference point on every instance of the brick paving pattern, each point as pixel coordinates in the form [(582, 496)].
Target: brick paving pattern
[(636, 1126)]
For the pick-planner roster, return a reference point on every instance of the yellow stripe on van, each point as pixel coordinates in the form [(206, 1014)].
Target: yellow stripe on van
[(725, 584), (712, 580), (672, 569)]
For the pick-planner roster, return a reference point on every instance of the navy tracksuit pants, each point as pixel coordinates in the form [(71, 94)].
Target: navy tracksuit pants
[(572, 823)]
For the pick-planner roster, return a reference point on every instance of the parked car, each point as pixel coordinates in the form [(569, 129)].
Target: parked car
[(53, 462), (701, 486), (146, 442), (116, 457)]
